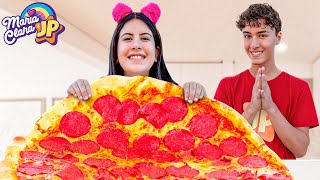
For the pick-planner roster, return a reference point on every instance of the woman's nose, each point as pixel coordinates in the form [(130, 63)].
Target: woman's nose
[(136, 44)]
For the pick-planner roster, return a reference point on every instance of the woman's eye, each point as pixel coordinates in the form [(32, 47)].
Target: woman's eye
[(145, 38)]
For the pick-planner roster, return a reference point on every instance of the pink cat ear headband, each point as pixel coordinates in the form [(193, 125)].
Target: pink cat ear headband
[(151, 10)]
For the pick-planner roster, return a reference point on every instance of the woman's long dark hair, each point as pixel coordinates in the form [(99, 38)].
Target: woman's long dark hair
[(158, 69)]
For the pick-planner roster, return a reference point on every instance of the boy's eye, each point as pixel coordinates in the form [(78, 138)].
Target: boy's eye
[(246, 36)]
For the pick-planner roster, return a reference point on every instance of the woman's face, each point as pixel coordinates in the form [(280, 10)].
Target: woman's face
[(136, 48)]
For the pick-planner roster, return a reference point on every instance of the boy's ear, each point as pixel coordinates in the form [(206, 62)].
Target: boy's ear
[(279, 36)]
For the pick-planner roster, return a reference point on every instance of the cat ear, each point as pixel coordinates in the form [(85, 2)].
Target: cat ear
[(120, 11), (152, 11)]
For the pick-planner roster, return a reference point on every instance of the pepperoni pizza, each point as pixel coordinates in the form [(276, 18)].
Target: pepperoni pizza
[(140, 128)]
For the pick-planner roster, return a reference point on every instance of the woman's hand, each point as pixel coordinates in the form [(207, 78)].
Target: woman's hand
[(193, 91), (80, 89)]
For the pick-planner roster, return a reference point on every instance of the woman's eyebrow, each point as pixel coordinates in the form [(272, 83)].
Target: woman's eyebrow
[(146, 34), (130, 34)]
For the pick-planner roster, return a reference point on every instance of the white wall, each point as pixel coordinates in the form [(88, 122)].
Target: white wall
[(208, 74), (316, 84), (314, 150), (29, 69)]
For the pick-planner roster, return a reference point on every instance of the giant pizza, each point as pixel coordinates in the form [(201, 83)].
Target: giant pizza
[(140, 128)]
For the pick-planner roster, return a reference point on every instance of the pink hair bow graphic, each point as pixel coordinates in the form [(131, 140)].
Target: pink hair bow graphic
[(151, 10)]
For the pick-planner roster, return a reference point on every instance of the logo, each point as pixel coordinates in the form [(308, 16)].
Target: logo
[(262, 124), (37, 18)]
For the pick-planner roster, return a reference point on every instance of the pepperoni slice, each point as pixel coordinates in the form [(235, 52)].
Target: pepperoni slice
[(151, 170), (121, 153), (126, 173), (99, 163), (223, 174), (154, 114), (208, 151), (226, 124), (129, 113), (185, 155), (56, 144), (147, 142), (70, 158), (108, 107), (84, 147), (104, 175), (248, 175), (32, 155), (276, 176), (67, 158), (203, 125), (176, 108), (135, 153), (234, 147), (31, 168), (159, 156), (114, 139), (179, 140), (75, 124), (70, 172), (222, 162), (253, 162), (182, 172), (162, 156)]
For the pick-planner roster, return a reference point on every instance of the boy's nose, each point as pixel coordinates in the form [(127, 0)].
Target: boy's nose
[(254, 43)]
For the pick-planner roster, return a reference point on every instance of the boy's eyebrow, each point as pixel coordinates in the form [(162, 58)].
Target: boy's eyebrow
[(261, 32)]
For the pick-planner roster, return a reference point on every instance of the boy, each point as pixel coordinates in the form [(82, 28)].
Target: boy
[(279, 106)]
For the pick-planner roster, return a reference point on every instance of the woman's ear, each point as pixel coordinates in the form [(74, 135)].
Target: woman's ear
[(158, 50)]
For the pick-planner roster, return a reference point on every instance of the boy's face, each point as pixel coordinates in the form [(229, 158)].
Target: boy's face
[(260, 42)]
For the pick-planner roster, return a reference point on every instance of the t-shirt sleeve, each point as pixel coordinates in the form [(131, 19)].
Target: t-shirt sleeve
[(222, 93), (305, 113)]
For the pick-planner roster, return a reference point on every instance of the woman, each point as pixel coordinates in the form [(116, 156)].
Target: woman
[(136, 50)]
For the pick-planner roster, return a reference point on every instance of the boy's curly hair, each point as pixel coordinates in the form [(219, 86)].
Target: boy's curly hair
[(257, 12)]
